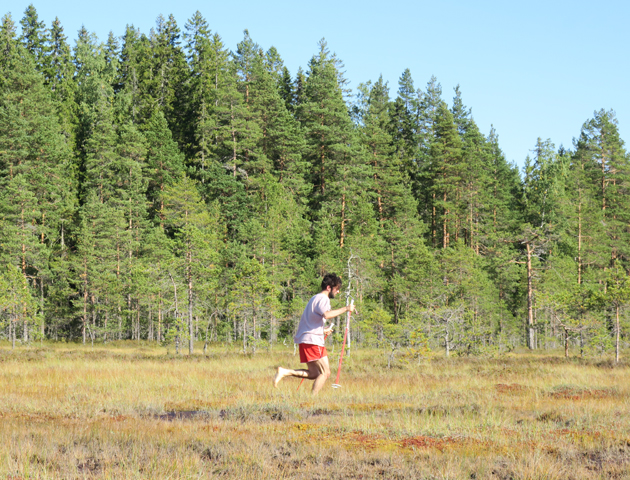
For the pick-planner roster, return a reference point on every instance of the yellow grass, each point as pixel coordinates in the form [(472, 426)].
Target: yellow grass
[(68, 411)]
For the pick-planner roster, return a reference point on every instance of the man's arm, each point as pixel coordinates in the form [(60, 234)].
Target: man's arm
[(335, 313)]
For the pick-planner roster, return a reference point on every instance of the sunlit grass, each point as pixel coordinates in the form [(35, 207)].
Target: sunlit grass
[(73, 411)]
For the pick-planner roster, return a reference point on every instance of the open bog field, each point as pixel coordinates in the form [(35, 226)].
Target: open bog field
[(135, 412)]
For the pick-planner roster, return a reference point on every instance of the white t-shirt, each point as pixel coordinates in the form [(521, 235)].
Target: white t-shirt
[(312, 322)]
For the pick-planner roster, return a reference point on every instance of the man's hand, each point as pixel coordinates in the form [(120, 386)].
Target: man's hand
[(350, 308), (328, 331)]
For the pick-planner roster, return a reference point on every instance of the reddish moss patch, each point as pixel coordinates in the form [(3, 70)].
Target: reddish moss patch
[(366, 440), (427, 442), (578, 393), (510, 388)]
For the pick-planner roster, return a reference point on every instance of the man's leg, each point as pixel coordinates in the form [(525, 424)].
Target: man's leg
[(285, 372), (320, 370)]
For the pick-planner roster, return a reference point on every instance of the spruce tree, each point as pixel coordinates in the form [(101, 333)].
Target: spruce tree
[(94, 92), (404, 125), (324, 117), (59, 73), (298, 88), (287, 89), (134, 68), (35, 37), (8, 45), (273, 133), (274, 65), (101, 159), (250, 70), (166, 74), (217, 111), (111, 50), (201, 60), (164, 163), (424, 171)]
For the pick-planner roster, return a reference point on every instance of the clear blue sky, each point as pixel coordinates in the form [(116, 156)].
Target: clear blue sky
[(532, 69)]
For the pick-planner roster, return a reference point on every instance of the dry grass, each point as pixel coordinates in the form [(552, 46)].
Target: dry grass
[(134, 412)]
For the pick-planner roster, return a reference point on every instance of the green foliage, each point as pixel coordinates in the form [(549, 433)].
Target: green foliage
[(161, 186), (34, 36)]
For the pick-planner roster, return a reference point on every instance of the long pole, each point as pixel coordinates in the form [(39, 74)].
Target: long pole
[(343, 348)]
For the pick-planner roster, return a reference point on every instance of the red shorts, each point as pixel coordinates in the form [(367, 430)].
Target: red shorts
[(310, 353)]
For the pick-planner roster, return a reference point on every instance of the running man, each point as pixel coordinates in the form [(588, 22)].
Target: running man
[(311, 335)]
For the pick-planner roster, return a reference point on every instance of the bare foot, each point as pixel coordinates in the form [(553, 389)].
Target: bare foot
[(279, 376)]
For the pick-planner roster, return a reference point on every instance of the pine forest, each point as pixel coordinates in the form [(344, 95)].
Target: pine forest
[(161, 187)]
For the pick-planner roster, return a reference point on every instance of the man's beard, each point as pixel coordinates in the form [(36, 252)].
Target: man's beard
[(331, 295)]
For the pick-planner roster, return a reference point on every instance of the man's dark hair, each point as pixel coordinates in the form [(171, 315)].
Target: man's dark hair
[(331, 280)]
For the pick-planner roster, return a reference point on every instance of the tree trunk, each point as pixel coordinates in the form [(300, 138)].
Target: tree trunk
[(444, 225), (131, 322), (323, 160), (617, 333), (41, 301), (93, 329), (604, 184), (190, 306), (530, 300), (138, 321), (254, 336), (176, 313), (433, 223), (233, 138), (343, 220), (150, 322), (85, 300), (273, 337), (446, 344), (580, 240), (244, 337), (159, 332)]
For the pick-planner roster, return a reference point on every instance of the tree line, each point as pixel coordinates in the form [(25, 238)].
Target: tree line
[(162, 187)]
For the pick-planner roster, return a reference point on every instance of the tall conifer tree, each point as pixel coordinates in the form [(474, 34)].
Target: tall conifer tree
[(35, 37)]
